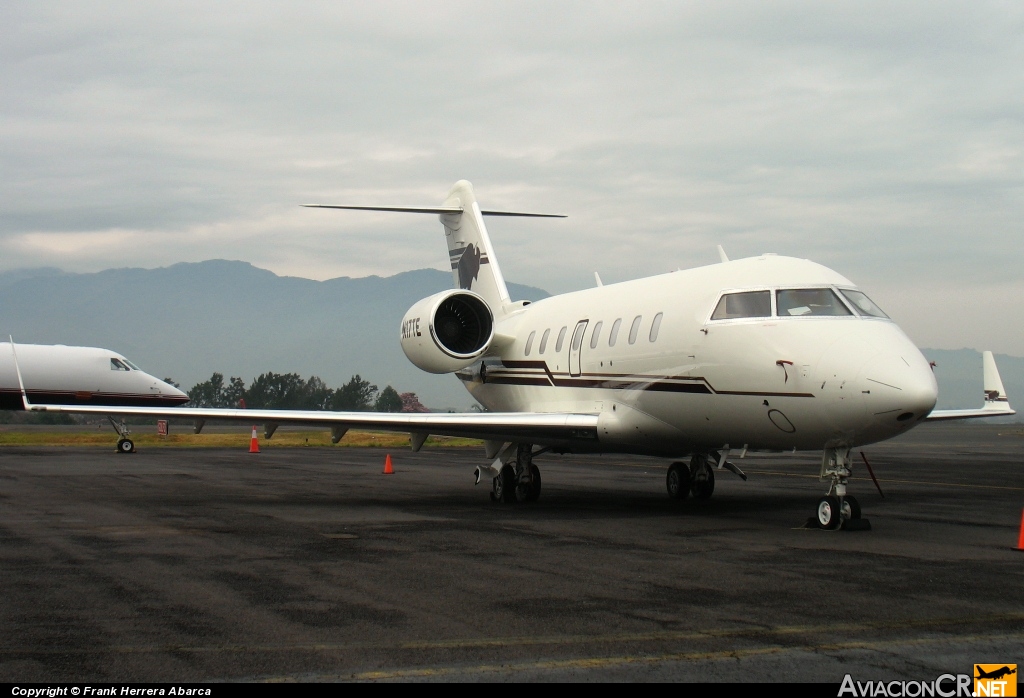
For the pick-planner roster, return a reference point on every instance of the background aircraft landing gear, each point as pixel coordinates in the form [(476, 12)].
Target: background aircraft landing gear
[(124, 444)]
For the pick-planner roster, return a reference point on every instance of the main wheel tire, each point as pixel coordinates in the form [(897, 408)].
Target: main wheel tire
[(829, 513), (677, 481), (705, 488), (505, 485), (125, 446), (851, 507), (534, 493)]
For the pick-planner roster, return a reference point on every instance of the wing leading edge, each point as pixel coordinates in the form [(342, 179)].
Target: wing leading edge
[(996, 402), (537, 427)]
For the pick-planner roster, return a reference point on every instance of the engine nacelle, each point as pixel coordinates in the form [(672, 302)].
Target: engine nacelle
[(447, 331)]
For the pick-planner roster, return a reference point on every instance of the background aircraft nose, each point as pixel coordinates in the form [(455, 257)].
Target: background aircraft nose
[(898, 389)]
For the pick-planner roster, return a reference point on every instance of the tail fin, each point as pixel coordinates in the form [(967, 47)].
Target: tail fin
[(474, 266)]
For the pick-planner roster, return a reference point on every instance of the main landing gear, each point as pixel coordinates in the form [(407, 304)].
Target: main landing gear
[(518, 479), (837, 509), (697, 479), (124, 444)]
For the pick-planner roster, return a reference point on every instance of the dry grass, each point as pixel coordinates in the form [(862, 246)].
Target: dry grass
[(282, 439)]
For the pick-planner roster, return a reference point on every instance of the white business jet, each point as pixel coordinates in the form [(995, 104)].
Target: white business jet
[(769, 353), (55, 374)]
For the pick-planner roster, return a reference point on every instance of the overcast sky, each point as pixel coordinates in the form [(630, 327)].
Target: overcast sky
[(885, 140)]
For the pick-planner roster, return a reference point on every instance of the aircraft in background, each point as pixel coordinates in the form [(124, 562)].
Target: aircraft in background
[(768, 353), (55, 374)]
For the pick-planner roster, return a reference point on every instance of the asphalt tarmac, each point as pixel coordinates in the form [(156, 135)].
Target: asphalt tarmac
[(311, 565)]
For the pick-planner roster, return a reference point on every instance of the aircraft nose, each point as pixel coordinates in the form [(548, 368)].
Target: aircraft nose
[(899, 389)]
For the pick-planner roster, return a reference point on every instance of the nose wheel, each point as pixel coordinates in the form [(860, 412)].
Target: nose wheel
[(837, 509), (124, 444)]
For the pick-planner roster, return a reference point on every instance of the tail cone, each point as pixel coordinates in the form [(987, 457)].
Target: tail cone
[(254, 444), (388, 469)]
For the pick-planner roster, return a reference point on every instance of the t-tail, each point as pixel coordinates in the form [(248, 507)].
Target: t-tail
[(474, 265)]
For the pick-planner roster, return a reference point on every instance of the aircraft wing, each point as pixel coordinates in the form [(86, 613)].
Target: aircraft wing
[(996, 402), (537, 427)]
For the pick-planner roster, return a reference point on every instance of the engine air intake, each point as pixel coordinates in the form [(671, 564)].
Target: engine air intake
[(462, 324)]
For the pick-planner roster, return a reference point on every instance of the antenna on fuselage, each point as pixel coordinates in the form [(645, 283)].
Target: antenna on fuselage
[(597, 279), (722, 256)]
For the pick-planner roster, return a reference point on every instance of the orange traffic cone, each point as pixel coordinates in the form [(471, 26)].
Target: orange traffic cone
[(388, 470), (1020, 543), (254, 444)]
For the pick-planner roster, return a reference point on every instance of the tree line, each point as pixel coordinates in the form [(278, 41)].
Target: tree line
[(289, 391)]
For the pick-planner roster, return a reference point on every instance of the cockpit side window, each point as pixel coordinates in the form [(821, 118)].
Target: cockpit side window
[(862, 303), (743, 305), (810, 301), (118, 365)]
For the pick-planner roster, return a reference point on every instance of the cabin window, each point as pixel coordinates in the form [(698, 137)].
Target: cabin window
[(810, 301), (862, 303), (529, 342), (655, 326), (596, 335), (561, 339), (544, 340), (614, 334), (743, 305), (634, 329), (118, 365)]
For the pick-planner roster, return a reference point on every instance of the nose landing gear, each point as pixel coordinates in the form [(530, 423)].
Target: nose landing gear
[(837, 509)]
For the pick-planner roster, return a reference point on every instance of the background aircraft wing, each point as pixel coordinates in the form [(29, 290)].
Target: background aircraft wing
[(536, 427), (996, 402)]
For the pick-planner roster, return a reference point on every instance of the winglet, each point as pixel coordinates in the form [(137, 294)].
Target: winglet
[(995, 393), (722, 256), (24, 396), (597, 279), (996, 402)]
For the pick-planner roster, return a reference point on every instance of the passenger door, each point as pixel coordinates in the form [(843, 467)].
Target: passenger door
[(576, 348)]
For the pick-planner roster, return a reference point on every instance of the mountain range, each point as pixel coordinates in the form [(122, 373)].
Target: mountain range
[(189, 320)]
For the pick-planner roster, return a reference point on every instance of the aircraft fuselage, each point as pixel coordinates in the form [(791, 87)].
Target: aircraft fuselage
[(776, 382), (69, 375)]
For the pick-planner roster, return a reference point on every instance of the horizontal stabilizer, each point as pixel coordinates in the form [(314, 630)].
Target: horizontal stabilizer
[(996, 403), (440, 210)]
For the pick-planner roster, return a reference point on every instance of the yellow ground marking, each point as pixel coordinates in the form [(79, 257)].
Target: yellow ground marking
[(610, 662)]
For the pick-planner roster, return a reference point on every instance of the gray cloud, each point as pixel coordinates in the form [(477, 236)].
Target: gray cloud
[(882, 140)]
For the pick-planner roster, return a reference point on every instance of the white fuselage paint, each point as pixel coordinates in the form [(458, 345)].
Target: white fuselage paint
[(704, 384), (58, 374)]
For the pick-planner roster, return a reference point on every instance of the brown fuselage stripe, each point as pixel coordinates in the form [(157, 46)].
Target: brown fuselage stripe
[(609, 381)]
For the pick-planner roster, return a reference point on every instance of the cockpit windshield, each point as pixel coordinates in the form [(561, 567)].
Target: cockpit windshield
[(810, 301), (118, 365), (862, 303), (741, 305)]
